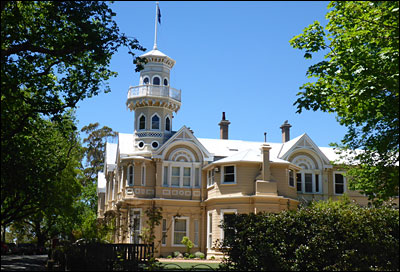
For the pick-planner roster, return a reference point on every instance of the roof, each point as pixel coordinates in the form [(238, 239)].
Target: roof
[(111, 153), (126, 143), (101, 182), (154, 52)]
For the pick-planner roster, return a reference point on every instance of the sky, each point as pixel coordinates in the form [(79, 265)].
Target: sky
[(232, 57)]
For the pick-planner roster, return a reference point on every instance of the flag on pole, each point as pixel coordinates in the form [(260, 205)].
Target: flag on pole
[(159, 14)]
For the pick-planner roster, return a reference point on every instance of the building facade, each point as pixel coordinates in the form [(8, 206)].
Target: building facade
[(199, 182)]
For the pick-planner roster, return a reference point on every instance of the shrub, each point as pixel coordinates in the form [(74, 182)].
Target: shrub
[(323, 236), (189, 244), (199, 255), (169, 257), (191, 256)]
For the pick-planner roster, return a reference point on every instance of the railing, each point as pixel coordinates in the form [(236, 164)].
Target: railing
[(154, 90)]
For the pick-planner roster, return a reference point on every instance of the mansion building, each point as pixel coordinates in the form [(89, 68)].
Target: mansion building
[(199, 182)]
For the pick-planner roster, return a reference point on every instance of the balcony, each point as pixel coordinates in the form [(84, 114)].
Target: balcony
[(154, 91)]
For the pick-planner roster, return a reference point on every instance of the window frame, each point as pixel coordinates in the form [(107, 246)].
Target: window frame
[(159, 122), (143, 176), (164, 232), (209, 230), (132, 211), (129, 173), (293, 178), (165, 123), (210, 178), (181, 166), (223, 212), (145, 119), (173, 229), (144, 78), (314, 173), (153, 78), (344, 182), (223, 174)]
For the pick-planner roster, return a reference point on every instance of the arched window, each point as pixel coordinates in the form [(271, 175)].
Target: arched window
[(156, 81), (142, 122), (130, 175), (146, 80), (155, 122), (167, 124), (165, 82)]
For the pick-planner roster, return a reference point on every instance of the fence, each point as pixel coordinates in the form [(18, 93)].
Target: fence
[(109, 257)]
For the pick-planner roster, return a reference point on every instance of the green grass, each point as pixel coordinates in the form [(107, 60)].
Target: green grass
[(187, 265)]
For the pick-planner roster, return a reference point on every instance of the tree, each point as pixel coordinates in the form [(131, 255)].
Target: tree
[(53, 54), (359, 81)]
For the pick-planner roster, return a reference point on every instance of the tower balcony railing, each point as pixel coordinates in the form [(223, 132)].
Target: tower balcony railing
[(154, 90)]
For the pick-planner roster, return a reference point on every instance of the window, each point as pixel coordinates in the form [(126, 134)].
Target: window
[(130, 175), (196, 232), (167, 124), (291, 178), (209, 230), (155, 122), (142, 122), (175, 176), (165, 82), (156, 81), (164, 232), (165, 181), (186, 176), (298, 178), (308, 182), (154, 144), (316, 183), (210, 178), (339, 182), (229, 174), (135, 225), (197, 177), (143, 175), (181, 228), (141, 144), (226, 215), (146, 80)]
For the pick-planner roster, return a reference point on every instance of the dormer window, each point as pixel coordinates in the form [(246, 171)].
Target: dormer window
[(156, 81), (146, 80), (165, 82), (167, 124), (142, 122), (155, 122)]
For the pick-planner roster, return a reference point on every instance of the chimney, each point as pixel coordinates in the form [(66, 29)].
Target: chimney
[(265, 172), (224, 127), (285, 131)]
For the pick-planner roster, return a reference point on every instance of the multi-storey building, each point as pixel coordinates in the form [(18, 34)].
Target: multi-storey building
[(202, 180)]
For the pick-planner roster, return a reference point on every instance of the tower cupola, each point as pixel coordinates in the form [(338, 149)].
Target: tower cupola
[(153, 101)]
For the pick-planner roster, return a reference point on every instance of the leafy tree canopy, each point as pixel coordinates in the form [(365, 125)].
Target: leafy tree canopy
[(359, 81)]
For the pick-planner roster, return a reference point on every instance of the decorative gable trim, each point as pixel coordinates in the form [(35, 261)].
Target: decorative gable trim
[(305, 143), (185, 136)]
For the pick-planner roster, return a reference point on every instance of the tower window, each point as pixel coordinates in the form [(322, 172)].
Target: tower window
[(156, 81), (142, 122), (167, 124), (141, 144), (165, 82), (146, 80), (155, 122)]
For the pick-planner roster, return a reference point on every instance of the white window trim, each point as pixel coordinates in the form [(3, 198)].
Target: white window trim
[(313, 172), (194, 178), (152, 80), (133, 175), (173, 229), (194, 231), (208, 230), (165, 78), (222, 212), (144, 144), (223, 174), (138, 122), (140, 224), (143, 177), (170, 123), (344, 182), (210, 180), (159, 122), (144, 79), (181, 165), (294, 178), (166, 231), (168, 176), (158, 144)]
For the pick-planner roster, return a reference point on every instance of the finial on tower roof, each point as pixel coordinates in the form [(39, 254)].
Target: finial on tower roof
[(158, 20)]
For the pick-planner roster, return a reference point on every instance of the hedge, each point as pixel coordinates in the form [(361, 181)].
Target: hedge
[(323, 236)]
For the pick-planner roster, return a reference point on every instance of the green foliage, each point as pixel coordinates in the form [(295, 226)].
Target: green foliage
[(338, 236), (199, 255), (176, 254), (188, 243), (359, 81)]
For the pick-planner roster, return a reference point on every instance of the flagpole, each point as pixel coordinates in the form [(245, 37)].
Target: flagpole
[(155, 34)]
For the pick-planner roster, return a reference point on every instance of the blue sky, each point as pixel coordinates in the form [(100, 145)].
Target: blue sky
[(230, 56)]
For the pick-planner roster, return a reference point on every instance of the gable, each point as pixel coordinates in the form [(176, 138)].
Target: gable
[(303, 144), (183, 137)]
